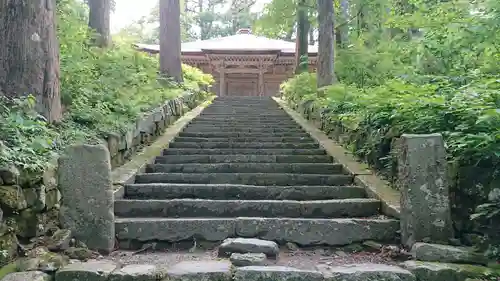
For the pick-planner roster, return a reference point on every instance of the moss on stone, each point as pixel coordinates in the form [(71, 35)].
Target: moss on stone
[(8, 248), (30, 223), (12, 198), (471, 271), (82, 254), (53, 260), (477, 271), (8, 269)]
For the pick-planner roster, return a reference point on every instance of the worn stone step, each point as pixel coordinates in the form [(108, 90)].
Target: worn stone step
[(246, 118), (241, 135), (246, 151), (241, 192), (249, 119), (247, 139), (254, 145), (204, 120), (245, 127), (249, 111), (242, 125), (305, 232), (179, 208), (225, 107), (246, 103), (269, 131), (245, 178), (242, 158), (294, 168)]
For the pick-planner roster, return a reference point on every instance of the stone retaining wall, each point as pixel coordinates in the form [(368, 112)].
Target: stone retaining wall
[(30, 204)]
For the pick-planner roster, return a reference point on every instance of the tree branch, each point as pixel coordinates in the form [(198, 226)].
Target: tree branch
[(352, 18)]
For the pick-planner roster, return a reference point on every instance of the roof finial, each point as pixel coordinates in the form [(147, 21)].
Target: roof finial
[(244, 31)]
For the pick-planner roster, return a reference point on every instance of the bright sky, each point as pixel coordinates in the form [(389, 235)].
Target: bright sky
[(128, 11)]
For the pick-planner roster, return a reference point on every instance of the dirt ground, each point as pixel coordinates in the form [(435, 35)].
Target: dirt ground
[(290, 255)]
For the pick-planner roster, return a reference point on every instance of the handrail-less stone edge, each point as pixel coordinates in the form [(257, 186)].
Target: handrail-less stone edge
[(363, 176), (126, 173)]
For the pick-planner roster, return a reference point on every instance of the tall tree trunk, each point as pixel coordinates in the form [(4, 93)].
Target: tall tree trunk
[(302, 42), (326, 58), (99, 20), (344, 29), (170, 39), (312, 40), (29, 54)]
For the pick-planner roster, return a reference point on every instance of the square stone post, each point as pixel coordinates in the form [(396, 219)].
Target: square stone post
[(87, 196), (425, 204)]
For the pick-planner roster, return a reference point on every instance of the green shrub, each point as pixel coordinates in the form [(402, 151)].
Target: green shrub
[(102, 91), (442, 79)]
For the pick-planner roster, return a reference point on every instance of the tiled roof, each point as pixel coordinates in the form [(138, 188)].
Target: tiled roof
[(238, 42)]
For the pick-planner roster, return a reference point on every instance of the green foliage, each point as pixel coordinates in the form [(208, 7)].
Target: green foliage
[(420, 67), (102, 91), (203, 20)]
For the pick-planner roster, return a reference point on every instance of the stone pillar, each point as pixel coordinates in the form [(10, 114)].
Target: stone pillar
[(425, 205), (222, 82), (87, 196)]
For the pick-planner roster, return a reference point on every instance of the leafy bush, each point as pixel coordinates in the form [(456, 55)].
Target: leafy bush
[(102, 91), (371, 118), (446, 80)]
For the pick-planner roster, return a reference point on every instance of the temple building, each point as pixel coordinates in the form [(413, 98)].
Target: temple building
[(242, 64)]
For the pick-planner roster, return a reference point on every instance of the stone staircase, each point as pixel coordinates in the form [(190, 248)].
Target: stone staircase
[(244, 168)]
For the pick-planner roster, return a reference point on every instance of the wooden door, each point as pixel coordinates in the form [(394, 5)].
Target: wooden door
[(242, 88)]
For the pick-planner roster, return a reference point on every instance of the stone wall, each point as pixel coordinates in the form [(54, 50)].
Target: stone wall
[(467, 183), (30, 204)]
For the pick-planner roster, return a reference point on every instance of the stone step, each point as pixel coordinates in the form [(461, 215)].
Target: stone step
[(242, 158), (249, 119), (251, 112), (241, 135), (241, 192), (251, 145), (305, 232), (245, 178), (244, 109), (204, 120), (248, 139), (235, 151), (242, 125), (268, 131), (245, 103), (187, 208), (243, 113), (294, 168), (247, 246)]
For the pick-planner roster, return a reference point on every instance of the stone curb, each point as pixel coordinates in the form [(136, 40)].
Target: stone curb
[(363, 175), (126, 174), (223, 270)]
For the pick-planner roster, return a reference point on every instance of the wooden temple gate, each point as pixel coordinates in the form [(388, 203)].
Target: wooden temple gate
[(242, 64)]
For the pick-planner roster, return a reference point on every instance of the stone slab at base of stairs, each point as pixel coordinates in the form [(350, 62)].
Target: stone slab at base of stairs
[(296, 230), (221, 270)]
